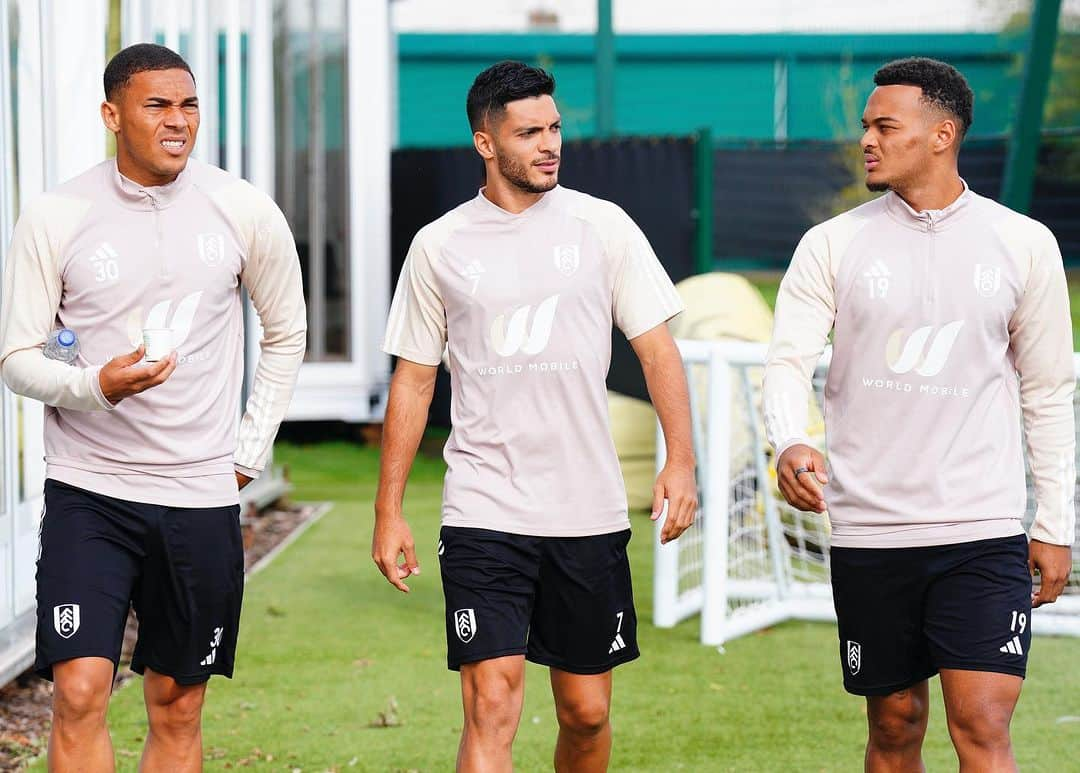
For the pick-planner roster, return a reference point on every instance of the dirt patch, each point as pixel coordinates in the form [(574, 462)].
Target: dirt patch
[(25, 703)]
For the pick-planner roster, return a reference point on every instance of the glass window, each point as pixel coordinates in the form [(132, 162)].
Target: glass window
[(312, 162)]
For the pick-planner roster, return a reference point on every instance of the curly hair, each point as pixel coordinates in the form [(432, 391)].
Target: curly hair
[(140, 58), (943, 86), (504, 82)]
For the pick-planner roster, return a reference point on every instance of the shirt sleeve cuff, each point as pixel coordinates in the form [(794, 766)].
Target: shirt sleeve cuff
[(1040, 532), (791, 442), (247, 471), (94, 374)]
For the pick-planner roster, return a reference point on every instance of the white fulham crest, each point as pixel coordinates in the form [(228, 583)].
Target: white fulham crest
[(854, 657), (567, 258), (211, 249), (66, 619), (465, 624), (987, 280)]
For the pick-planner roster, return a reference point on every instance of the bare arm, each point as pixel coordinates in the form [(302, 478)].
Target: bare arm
[(411, 389), (666, 380)]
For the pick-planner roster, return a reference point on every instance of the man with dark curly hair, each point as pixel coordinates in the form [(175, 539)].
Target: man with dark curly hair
[(950, 322)]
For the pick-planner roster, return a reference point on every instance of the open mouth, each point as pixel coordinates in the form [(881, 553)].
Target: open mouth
[(174, 146)]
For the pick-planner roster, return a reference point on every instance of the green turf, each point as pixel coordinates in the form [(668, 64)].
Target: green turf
[(326, 645), (769, 282)]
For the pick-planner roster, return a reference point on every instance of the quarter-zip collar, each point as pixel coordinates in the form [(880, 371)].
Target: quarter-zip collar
[(928, 219), (144, 197)]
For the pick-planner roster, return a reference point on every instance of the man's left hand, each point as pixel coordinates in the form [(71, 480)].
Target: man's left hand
[(676, 484), (242, 480), (1052, 562)]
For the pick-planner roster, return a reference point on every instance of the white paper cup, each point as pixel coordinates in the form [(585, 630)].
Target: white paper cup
[(158, 343)]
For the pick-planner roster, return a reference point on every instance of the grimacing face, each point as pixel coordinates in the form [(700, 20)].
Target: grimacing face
[(900, 133), (527, 141), (155, 117)]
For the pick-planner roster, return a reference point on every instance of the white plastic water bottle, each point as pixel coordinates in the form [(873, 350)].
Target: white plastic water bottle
[(62, 345)]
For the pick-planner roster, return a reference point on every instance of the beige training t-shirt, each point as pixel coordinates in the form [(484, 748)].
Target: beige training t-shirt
[(524, 306)]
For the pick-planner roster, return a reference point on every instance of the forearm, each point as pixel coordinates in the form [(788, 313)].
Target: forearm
[(29, 373), (403, 427), (666, 382)]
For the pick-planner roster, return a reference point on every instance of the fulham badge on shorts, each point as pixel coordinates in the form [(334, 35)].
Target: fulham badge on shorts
[(854, 657), (465, 624), (66, 619)]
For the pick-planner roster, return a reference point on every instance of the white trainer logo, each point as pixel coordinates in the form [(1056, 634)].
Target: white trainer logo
[(158, 318), (914, 352), (211, 249), (215, 642), (103, 260), (854, 657), (567, 259), (510, 338), (618, 643), (878, 279), (473, 271), (66, 619), (465, 625), (987, 280)]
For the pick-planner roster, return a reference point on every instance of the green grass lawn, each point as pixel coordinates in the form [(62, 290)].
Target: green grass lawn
[(327, 646), (769, 282)]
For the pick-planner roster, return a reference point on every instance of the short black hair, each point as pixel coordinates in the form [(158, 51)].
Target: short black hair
[(943, 86), (504, 82), (140, 57)]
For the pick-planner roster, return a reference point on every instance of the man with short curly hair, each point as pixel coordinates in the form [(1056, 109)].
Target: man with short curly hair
[(950, 322)]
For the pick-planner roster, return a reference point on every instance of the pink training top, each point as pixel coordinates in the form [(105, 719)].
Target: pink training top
[(524, 305), (107, 257), (949, 327)]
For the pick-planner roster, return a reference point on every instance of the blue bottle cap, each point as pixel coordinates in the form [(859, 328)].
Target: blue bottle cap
[(66, 337)]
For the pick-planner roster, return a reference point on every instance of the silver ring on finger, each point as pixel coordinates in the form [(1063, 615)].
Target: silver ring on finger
[(800, 470)]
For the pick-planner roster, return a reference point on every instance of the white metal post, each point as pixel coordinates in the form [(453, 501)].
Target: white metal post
[(716, 493), (665, 559)]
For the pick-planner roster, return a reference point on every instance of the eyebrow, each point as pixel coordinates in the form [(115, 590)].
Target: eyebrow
[(881, 119), (163, 102), (538, 127)]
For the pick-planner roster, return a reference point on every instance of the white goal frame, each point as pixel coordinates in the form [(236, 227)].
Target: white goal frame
[(760, 562)]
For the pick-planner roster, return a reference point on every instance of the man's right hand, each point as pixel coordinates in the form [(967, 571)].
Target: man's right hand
[(391, 539), (800, 473), (123, 376)]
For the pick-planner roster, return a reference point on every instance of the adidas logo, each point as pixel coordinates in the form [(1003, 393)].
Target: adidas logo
[(878, 269), (473, 271), (618, 644), (105, 251), (215, 642), (1012, 647)]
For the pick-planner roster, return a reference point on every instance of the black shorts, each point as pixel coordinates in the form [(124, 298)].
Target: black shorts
[(181, 568), (564, 602), (903, 614)]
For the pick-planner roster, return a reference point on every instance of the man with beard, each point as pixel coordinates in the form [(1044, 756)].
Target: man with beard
[(950, 323), (144, 458), (521, 285)]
